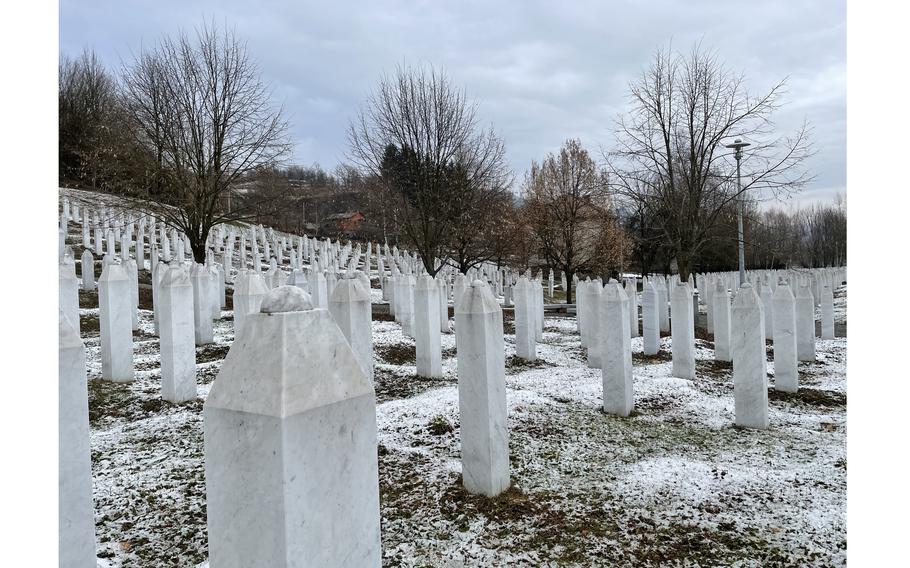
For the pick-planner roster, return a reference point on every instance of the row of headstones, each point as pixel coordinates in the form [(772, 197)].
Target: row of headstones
[(736, 331), (120, 234), (290, 434), (818, 284), (617, 370), (112, 228)]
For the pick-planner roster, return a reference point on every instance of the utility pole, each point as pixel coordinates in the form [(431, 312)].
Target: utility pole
[(738, 146)]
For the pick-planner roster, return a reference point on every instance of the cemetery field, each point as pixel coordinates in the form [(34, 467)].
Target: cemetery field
[(675, 483)]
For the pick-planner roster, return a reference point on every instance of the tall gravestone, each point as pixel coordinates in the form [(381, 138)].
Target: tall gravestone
[(133, 273), (765, 294), (115, 323), (290, 445), (786, 377), (709, 304), (68, 290), (249, 290), (177, 338), (158, 270), (460, 286), (683, 331), (750, 379), (404, 304), (594, 325), (482, 392), (663, 306), (426, 328), (443, 304), (632, 295), (319, 290), (202, 304), (805, 324), (827, 301), (581, 311), (87, 266), (650, 319), (721, 301), (76, 522), (616, 350), (525, 343), (350, 307)]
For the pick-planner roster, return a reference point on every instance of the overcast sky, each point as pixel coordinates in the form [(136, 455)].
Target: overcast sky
[(540, 72)]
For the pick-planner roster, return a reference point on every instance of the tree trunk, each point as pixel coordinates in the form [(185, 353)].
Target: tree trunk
[(684, 264), (569, 275), (198, 247)]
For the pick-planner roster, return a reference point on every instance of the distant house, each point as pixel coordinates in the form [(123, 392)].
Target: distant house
[(342, 223)]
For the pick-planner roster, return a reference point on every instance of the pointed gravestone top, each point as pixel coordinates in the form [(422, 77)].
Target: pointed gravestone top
[(176, 275), (286, 299), (315, 367), (478, 301), (746, 298)]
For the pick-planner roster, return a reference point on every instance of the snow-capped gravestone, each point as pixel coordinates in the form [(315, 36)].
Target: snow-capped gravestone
[(721, 300), (482, 392), (616, 350), (87, 269), (202, 304), (750, 379), (249, 290), (426, 328), (683, 331), (116, 327), (805, 324), (827, 301), (786, 377), (176, 330), (525, 343), (650, 319), (350, 306), (76, 522), (290, 445)]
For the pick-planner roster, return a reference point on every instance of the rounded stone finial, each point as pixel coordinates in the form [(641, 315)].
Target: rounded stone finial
[(286, 299), (477, 284)]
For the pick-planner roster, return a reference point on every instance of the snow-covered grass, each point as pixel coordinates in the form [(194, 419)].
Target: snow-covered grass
[(674, 481), (673, 484)]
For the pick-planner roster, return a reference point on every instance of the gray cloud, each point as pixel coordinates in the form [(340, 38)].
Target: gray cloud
[(540, 72)]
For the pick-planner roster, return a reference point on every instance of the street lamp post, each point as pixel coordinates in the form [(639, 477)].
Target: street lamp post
[(738, 146)]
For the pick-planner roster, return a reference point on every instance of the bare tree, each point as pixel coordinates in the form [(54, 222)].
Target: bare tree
[(419, 136), (671, 157), (568, 207), (198, 105), (91, 133)]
